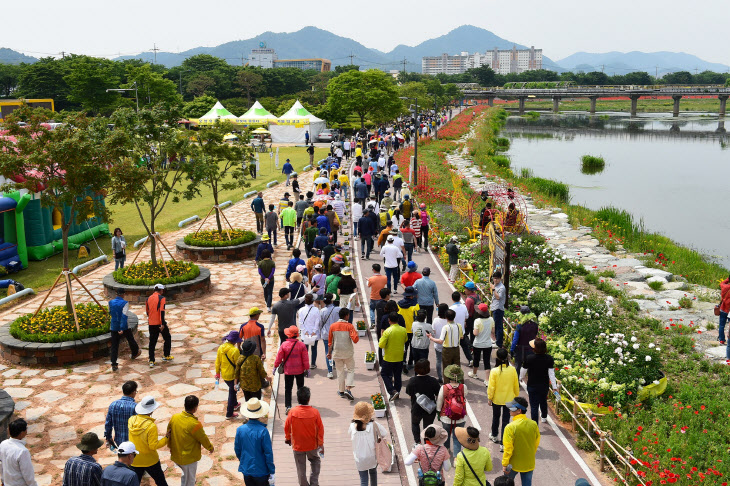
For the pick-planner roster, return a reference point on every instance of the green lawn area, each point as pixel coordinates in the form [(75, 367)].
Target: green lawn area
[(40, 275)]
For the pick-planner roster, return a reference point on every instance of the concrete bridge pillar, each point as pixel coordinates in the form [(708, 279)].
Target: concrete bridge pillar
[(490, 100), (721, 127), (556, 104), (522, 100), (634, 103), (723, 104), (676, 98), (593, 104)]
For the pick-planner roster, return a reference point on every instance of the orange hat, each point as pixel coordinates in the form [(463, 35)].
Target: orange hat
[(291, 331)]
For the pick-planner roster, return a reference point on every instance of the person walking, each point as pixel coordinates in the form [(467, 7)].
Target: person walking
[(428, 293), (225, 367), (451, 335), (287, 169), (293, 355), (342, 338), (499, 299), (289, 222), (301, 206), (540, 370), (84, 470), (120, 473), (483, 342), (376, 283), (253, 331), (420, 386), (250, 374), (272, 223), (265, 245), (304, 432), (525, 333), (186, 439), (392, 342), (521, 440), (258, 207), (452, 250), (432, 456), (267, 267), (502, 388), (294, 262), (451, 404), (473, 461), (143, 434), (119, 312), (366, 229), (391, 254), (411, 276), (286, 312), (425, 221), (117, 417), (119, 248), (461, 315), (309, 318), (17, 466), (724, 309), (310, 151), (408, 307), (155, 309), (420, 343), (252, 446), (438, 325), (364, 432)]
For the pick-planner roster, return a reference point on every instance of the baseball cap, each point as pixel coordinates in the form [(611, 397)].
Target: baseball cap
[(391, 239), (126, 448), (470, 285), (513, 406), (159, 287)]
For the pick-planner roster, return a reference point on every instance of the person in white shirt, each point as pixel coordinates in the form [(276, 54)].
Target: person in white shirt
[(363, 438), (398, 241), (356, 214), (392, 255), (450, 337), (17, 468), (461, 315), (438, 324), (346, 144), (381, 162), (308, 318), (483, 341)]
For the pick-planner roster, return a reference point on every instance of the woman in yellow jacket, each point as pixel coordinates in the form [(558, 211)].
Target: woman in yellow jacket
[(503, 387), (143, 434), (225, 367)]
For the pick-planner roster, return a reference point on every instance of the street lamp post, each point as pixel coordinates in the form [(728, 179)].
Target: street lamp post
[(122, 90), (415, 150), (180, 74)]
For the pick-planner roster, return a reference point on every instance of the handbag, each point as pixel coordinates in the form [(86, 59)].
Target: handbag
[(383, 452), (280, 369), (717, 310), (474, 472), (308, 339), (118, 255)]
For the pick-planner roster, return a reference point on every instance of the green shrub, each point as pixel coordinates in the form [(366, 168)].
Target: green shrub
[(549, 188), (592, 279), (147, 274), (502, 161), (608, 274), (685, 302), (502, 143), (213, 238), (591, 164), (56, 324), (526, 173), (656, 285), (629, 305), (682, 344)]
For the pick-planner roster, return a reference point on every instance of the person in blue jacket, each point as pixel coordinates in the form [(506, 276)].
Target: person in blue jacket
[(321, 241), (253, 445), (294, 262), (259, 207), (119, 312), (265, 245), (287, 169)]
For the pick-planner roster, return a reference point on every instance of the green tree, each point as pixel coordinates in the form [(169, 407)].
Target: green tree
[(680, 77), (484, 75), (348, 67), (281, 81), (151, 86), (151, 165), (418, 90), (200, 85), (215, 68), (198, 107), (370, 94), (46, 79), (67, 163), (9, 76), (88, 79), (250, 83), (219, 163)]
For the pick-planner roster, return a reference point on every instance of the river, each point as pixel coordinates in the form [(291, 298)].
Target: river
[(671, 173)]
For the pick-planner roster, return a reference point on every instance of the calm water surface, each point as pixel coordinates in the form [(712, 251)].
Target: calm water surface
[(674, 174)]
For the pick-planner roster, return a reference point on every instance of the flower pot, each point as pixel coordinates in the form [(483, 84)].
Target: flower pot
[(362, 332), (380, 413), (369, 365)]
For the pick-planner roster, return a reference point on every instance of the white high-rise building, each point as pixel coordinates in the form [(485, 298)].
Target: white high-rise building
[(503, 61), (262, 57)]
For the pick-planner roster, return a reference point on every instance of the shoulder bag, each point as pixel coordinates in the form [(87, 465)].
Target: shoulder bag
[(383, 452), (280, 369), (474, 472)]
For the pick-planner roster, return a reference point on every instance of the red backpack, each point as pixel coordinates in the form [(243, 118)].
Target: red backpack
[(454, 402)]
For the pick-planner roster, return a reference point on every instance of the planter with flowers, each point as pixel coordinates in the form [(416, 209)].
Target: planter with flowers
[(370, 360), (362, 328), (378, 405)]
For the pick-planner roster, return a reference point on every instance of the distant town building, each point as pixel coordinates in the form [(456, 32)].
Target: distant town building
[(262, 57), (503, 61), (322, 65)]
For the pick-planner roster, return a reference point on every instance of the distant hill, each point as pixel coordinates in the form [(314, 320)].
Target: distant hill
[(651, 62), (9, 56)]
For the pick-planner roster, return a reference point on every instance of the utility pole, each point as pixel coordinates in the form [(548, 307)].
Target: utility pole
[(656, 72), (242, 59), (603, 67), (155, 49), (351, 56), (63, 54)]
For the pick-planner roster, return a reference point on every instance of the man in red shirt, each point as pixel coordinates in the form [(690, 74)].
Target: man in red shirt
[(376, 282), (411, 275), (254, 331), (155, 309), (304, 432)]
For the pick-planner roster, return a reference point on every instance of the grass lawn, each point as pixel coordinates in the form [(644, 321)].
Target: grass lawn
[(40, 275)]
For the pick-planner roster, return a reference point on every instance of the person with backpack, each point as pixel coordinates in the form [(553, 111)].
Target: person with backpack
[(225, 367), (423, 390), (432, 456), (483, 342), (525, 332), (250, 374), (253, 331), (502, 389), (540, 370), (363, 433), (521, 440), (474, 460), (451, 404)]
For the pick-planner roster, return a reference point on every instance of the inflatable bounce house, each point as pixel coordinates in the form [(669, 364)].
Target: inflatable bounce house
[(33, 232)]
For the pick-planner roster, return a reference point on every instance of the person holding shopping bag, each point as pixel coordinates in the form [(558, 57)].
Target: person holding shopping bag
[(364, 433)]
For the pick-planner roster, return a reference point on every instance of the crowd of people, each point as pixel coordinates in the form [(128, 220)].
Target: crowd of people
[(318, 299)]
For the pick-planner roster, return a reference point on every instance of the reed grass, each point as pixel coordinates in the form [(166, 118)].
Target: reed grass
[(592, 165)]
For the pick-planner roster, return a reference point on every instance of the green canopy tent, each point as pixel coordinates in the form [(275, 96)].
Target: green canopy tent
[(218, 112), (256, 115)]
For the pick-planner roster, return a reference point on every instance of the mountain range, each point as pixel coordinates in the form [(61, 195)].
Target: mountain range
[(311, 42)]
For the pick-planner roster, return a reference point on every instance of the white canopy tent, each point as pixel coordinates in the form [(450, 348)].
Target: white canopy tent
[(290, 127), (218, 112), (256, 115)]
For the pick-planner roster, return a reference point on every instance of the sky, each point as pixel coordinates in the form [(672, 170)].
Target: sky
[(559, 27)]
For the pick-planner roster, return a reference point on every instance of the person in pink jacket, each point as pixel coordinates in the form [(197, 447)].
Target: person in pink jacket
[(724, 309), (293, 353)]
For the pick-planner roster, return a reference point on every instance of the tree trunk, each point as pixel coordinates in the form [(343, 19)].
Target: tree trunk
[(217, 210), (362, 121), (153, 241), (64, 237)]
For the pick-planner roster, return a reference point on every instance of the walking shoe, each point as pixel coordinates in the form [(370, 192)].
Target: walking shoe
[(543, 420), (237, 407), (168, 358), (115, 367), (348, 394), (472, 375), (268, 309), (232, 417), (136, 355), (362, 257), (391, 397), (405, 370), (493, 439), (395, 396), (501, 448), (286, 412), (152, 364), (340, 394), (486, 382), (313, 367), (471, 364), (722, 343), (330, 375)]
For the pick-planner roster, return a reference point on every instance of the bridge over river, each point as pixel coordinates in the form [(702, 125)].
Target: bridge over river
[(593, 93)]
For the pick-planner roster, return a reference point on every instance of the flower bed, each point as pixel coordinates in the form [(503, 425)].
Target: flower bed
[(56, 324), (146, 273), (213, 238)]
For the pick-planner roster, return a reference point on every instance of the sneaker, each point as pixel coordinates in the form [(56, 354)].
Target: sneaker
[(396, 395), (501, 448), (313, 367), (136, 355), (286, 412), (237, 407), (115, 367), (268, 309), (330, 375), (348, 395), (543, 420), (722, 343), (471, 364), (486, 382), (152, 364), (391, 397), (493, 439), (232, 417), (340, 394), (168, 358), (405, 370), (472, 375)]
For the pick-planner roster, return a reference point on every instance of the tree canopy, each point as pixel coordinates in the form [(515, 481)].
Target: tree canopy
[(370, 93)]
